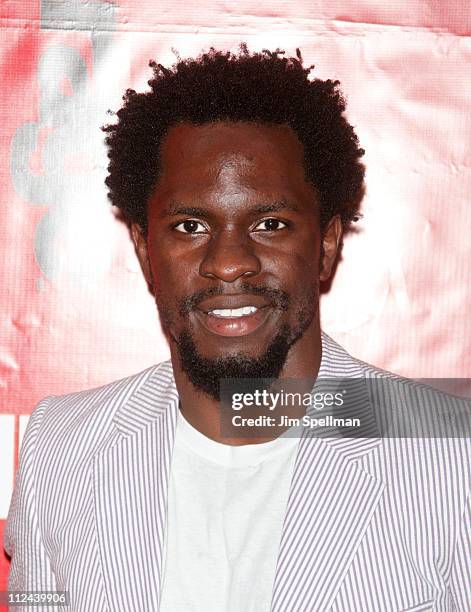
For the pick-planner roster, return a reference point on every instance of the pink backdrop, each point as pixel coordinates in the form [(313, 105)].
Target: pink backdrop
[(75, 310)]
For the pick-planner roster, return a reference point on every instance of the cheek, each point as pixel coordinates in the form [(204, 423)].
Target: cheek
[(301, 282), (174, 259), (300, 252), (310, 260), (173, 283), (168, 270), (297, 268)]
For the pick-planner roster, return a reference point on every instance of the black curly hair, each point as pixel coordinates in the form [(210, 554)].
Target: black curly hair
[(261, 87)]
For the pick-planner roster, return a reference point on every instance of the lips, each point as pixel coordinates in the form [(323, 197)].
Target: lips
[(227, 313), (233, 315), (233, 302), (234, 326)]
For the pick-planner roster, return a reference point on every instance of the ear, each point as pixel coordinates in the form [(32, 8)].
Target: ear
[(140, 244), (331, 238)]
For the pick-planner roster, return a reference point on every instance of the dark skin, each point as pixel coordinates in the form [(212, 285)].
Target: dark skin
[(232, 206)]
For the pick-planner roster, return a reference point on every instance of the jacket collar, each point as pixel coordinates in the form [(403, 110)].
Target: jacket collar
[(152, 400)]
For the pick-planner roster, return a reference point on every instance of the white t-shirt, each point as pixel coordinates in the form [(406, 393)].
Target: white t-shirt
[(226, 507)]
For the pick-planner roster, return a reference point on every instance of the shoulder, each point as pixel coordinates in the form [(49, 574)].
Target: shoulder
[(424, 433), (413, 409), (403, 407), (86, 418)]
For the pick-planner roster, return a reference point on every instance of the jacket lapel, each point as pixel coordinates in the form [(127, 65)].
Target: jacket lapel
[(130, 483), (330, 506), (331, 501)]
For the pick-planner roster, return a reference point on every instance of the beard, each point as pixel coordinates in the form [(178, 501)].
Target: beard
[(205, 373)]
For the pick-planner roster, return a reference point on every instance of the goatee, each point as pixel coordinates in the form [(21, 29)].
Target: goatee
[(206, 373)]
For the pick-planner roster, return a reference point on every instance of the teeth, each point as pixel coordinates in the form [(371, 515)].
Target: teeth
[(234, 312)]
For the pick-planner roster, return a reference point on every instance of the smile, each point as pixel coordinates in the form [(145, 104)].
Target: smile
[(233, 321), (233, 312)]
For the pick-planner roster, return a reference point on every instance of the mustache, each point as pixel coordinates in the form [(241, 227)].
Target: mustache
[(277, 298)]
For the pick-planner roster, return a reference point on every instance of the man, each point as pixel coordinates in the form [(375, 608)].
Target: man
[(238, 175)]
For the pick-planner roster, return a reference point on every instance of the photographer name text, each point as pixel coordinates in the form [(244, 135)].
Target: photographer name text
[(285, 421)]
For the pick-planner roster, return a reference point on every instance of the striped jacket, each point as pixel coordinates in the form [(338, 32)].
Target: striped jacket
[(372, 523)]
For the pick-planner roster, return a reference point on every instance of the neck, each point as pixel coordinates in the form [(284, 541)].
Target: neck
[(203, 412)]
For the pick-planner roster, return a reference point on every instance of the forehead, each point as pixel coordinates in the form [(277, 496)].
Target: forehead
[(256, 155), (231, 137)]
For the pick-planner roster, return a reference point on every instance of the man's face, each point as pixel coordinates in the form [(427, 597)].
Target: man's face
[(233, 248)]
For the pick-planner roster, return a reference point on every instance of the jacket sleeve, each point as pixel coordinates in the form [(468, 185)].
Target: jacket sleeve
[(460, 582), (30, 568)]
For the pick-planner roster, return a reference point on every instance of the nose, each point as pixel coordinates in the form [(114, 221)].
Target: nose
[(229, 256)]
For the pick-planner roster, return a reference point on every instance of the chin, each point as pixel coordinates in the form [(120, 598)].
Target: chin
[(227, 347), (206, 371)]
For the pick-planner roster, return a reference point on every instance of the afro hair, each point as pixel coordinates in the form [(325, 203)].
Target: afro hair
[(264, 88)]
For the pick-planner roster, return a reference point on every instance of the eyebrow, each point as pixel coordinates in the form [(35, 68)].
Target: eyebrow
[(196, 211), (191, 211), (275, 207)]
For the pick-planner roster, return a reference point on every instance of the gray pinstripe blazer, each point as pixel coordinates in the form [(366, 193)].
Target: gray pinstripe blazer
[(372, 524)]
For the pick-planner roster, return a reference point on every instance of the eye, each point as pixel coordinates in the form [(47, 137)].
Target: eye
[(270, 225), (190, 226)]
